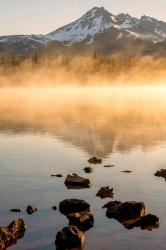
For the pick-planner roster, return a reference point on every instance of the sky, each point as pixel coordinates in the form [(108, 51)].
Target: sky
[(44, 16)]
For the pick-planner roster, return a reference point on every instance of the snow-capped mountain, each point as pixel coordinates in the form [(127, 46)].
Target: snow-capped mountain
[(99, 20), (93, 22), (97, 26)]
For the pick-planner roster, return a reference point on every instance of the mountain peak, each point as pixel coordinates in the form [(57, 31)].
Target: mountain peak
[(98, 20), (95, 9), (94, 21)]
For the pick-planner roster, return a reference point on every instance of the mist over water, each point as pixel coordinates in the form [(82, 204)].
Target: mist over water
[(129, 68), (46, 131), (127, 116)]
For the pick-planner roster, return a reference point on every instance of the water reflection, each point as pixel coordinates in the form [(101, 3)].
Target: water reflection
[(100, 121)]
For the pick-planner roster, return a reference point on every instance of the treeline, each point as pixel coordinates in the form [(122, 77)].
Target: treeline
[(94, 68)]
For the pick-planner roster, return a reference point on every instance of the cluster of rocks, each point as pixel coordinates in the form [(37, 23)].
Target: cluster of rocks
[(11, 234), (80, 220), (131, 214), (74, 181)]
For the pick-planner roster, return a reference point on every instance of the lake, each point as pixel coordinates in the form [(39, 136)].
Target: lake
[(45, 131)]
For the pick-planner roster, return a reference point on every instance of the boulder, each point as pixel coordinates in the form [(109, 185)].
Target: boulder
[(131, 214), (95, 160), (83, 220), (11, 234), (74, 181), (30, 210), (125, 211), (69, 238), (70, 206), (161, 173), (105, 192)]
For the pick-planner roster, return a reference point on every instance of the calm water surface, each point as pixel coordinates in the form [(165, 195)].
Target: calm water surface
[(50, 131)]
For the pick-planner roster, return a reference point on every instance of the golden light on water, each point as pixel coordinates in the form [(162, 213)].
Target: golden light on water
[(132, 114)]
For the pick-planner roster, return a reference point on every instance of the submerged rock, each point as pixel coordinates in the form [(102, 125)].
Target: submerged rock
[(57, 175), (74, 181), (88, 170), (15, 210), (30, 210), (84, 220), (70, 206), (11, 234), (105, 192), (126, 171), (54, 208), (69, 238), (95, 160), (161, 173)]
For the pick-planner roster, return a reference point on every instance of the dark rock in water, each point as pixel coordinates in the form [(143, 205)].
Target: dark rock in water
[(74, 181), (161, 173), (11, 234), (70, 206), (57, 175), (84, 220), (15, 210), (109, 166), (126, 171), (69, 238), (95, 160), (88, 170), (54, 208), (30, 210), (131, 214), (105, 192), (125, 211), (148, 222)]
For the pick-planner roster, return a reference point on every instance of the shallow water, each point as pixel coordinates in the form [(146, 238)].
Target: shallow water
[(50, 131)]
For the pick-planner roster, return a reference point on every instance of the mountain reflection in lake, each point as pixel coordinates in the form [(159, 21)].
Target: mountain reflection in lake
[(50, 131)]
